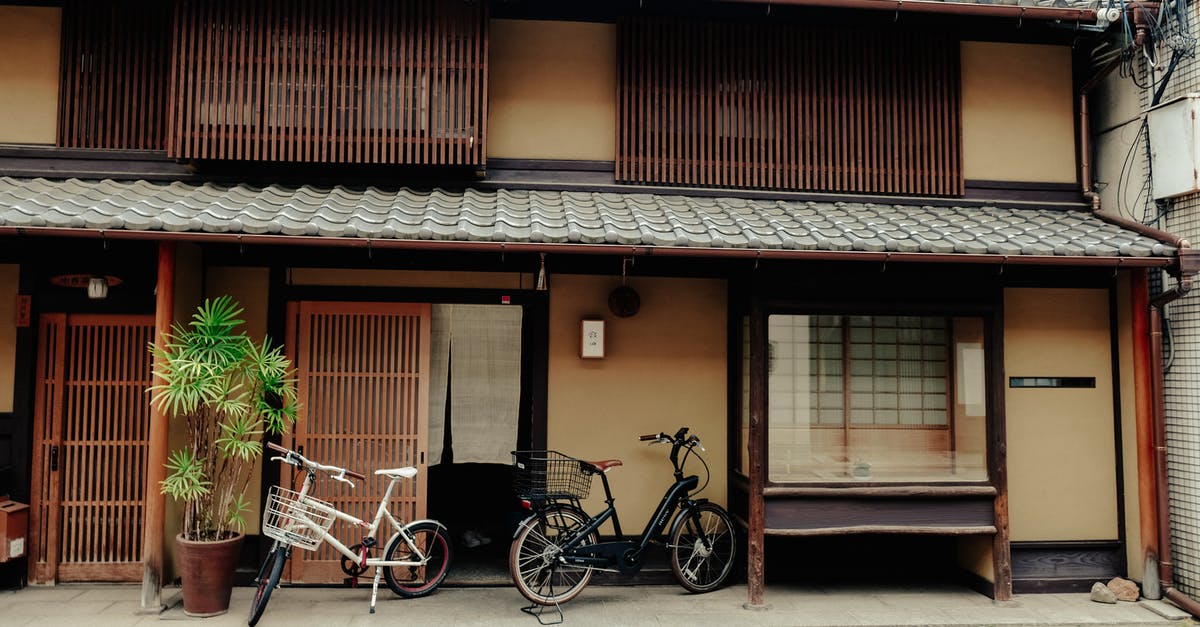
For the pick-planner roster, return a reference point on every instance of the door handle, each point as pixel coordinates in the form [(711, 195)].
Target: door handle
[(53, 458)]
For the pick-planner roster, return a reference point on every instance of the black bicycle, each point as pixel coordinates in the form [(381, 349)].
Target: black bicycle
[(556, 549)]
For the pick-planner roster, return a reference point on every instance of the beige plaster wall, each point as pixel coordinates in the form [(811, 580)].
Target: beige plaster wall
[(1129, 473), (29, 74), (663, 369), (1017, 112), (552, 90), (10, 276), (249, 287), (975, 556), (1061, 448)]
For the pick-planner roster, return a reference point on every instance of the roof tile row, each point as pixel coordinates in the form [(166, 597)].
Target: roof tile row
[(510, 215)]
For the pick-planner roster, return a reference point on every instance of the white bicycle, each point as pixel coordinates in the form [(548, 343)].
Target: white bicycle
[(415, 559)]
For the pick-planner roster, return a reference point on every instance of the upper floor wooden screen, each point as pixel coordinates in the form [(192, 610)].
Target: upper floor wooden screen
[(330, 81), (788, 107), (114, 58)]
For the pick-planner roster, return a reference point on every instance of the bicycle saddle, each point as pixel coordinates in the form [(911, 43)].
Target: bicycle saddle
[(605, 465), (408, 472)]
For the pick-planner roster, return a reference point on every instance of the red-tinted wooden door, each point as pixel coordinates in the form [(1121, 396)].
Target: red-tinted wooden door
[(91, 422), (363, 380)]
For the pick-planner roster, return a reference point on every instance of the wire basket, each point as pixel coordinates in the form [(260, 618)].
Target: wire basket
[(547, 475), (286, 516)]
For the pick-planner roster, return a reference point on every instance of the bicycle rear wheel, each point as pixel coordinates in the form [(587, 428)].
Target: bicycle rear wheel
[(411, 582), (533, 558), (702, 547), (268, 578)]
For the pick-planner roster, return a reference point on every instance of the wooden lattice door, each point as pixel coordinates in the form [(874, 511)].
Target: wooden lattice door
[(363, 379), (91, 422)]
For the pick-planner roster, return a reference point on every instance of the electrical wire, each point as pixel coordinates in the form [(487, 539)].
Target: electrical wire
[(1127, 172)]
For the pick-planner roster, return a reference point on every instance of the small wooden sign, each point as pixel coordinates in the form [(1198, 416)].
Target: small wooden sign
[(24, 305)]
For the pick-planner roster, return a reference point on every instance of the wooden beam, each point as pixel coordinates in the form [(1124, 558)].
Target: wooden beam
[(755, 579), (998, 454), (152, 532)]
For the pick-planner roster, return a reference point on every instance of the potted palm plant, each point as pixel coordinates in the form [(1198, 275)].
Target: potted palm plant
[(228, 390)]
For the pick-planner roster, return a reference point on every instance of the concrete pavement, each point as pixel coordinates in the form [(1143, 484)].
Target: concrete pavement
[(608, 606)]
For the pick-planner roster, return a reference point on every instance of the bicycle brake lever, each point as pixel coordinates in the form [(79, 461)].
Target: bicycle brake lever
[(343, 479)]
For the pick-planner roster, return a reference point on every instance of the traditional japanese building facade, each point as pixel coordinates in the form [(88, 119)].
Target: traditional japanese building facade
[(847, 247)]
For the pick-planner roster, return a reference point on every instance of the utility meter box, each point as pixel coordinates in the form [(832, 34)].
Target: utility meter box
[(14, 529), (1174, 147)]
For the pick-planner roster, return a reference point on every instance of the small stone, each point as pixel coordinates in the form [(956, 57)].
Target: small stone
[(1101, 593), (1125, 589)]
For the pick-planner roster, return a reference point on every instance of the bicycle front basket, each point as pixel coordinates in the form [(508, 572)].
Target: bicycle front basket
[(548, 475), (286, 517)]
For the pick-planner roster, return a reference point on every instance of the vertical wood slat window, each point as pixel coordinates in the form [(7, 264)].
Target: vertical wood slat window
[(112, 91), (791, 107), (324, 81)]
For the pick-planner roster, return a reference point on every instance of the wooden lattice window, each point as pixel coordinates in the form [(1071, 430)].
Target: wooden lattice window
[(788, 107), (330, 81), (112, 88)]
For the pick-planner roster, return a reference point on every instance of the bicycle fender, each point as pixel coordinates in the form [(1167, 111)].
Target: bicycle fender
[(522, 525), (411, 523), (428, 520)]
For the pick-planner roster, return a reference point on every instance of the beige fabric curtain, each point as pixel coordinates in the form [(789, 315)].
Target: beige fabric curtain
[(482, 345)]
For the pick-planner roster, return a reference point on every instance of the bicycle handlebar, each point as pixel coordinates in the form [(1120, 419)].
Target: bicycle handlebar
[(296, 459), (678, 439)]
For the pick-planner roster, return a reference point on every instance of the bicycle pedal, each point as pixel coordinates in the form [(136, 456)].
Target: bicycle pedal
[(350, 581)]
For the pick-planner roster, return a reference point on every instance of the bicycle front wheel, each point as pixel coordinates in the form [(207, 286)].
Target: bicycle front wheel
[(411, 582), (533, 558), (268, 578), (702, 547)]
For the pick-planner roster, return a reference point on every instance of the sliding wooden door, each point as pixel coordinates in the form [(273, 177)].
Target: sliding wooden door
[(91, 422), (363, 378)]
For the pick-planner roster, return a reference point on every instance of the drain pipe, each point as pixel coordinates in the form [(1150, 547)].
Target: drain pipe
[(1154, 500), (1085, 169), (1166, 567)]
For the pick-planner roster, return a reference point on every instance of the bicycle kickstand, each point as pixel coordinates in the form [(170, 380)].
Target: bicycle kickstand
[(375, 587)]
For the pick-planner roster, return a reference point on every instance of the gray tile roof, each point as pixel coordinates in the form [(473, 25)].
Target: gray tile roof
[(520, 216)]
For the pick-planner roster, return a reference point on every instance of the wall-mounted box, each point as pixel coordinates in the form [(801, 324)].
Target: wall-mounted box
[(14, 529), (1174, 147)]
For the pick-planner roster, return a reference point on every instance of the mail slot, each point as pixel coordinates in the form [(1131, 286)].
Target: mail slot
[(14, 529)]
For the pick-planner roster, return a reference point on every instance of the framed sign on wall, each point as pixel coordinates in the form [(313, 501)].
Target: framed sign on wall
[(591, 339)]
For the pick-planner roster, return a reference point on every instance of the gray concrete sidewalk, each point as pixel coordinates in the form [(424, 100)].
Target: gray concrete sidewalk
[(607, 606)]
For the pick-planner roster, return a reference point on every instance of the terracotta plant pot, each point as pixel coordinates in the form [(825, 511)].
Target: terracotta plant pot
[(207, 569)]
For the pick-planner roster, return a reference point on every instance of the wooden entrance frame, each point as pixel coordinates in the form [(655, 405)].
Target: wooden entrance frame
[(152, 536), (988, 304)]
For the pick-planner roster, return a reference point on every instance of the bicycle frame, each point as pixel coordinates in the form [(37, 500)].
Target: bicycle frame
[(627, 555), (372, 528)]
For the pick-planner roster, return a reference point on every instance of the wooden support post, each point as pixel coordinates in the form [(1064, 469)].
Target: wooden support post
[(998, 457), (755, 578), (152, 531), (1144, 427)]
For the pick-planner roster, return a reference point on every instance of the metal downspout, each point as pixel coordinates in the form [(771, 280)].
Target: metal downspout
[(1166, 567), (1160, 543)]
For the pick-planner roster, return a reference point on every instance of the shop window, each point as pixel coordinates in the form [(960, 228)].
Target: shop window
[(875, 398)]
